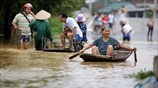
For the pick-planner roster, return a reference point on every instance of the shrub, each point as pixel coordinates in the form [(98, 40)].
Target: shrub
[(142, 74), (149, 14), (56, 27)]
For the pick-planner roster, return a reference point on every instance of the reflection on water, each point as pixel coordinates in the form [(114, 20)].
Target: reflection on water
[(107, 65), (38, 69)]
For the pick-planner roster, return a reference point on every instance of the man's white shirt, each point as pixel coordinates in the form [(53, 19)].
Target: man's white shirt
[(71, 23)]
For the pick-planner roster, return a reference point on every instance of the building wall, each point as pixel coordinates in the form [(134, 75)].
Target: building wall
[(141, 1)]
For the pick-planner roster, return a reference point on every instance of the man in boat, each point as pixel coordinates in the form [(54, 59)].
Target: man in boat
[(105, 44), (76, 33)]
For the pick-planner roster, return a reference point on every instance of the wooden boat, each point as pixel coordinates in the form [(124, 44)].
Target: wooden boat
[(54, 48), (118, 56)]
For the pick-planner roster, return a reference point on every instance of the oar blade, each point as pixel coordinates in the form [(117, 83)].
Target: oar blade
[(73, 56)]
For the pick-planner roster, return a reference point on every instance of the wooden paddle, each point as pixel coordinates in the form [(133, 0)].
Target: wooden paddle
[(73, 56), (135, 56)]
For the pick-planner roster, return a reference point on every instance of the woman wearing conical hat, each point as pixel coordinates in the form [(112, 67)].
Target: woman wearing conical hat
[(42, 28)]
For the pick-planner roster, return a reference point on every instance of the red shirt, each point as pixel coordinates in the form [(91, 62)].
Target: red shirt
[(104, 21)]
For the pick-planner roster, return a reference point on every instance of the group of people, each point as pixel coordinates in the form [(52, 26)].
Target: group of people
[(127, 29), (103, 20), (27, 21), (103, 24), (37, 26), (108, 20)]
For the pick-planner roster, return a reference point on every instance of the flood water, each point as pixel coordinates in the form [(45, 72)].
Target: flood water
[(38, 69)]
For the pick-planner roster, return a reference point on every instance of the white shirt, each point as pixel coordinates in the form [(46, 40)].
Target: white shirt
[(71, 23), (127, 28), (111, 18), (122, 17)]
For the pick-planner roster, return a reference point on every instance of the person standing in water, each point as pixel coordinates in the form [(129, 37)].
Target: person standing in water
[(21, 23), (150, 25), (42, 28)]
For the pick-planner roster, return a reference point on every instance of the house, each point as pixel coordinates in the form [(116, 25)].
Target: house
[(133, 10), (116, 7)]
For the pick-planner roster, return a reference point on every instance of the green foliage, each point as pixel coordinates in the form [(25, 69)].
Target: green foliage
[(142, 74), (56, 27), (53, 6), (149, 14), (66, 6)]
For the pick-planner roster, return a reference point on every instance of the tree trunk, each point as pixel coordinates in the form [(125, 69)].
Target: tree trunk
[(7, 29)]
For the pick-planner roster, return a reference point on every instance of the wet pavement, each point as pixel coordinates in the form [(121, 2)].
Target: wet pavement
[(38, 69)]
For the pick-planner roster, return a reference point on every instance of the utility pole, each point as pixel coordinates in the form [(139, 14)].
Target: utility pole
[(89, 2), (144, 8), (105, 3), (155, 8)]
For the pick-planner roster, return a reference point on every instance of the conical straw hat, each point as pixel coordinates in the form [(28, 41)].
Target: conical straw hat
[(42, 15)]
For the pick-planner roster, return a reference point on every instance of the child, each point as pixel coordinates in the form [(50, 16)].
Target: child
[(126, 31), (80, 20)]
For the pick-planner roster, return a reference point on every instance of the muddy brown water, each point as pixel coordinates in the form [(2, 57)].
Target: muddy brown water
[(38, 69)]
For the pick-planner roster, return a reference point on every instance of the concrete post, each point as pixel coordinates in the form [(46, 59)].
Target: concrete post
[(144, 8), (155, 66), (90, 8), (155, 8)]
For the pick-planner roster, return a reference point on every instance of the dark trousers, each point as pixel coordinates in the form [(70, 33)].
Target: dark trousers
[(126, 36), (150, 33), (40, 44)]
